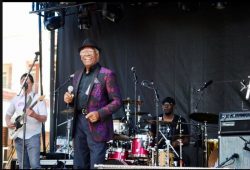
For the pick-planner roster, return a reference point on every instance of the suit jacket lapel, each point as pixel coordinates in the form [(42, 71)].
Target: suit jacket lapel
[(92, 82)]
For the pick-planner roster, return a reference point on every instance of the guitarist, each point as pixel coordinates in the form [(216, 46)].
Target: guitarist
[(35, 116)]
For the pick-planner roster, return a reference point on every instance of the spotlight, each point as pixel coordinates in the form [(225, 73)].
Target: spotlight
[(219, 5), (112, 12), (84, 18), (52, 22)]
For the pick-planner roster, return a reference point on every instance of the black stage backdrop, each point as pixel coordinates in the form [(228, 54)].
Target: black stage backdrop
[(176, 49)]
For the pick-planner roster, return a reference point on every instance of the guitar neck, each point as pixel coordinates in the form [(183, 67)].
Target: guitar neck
[(33, 104)]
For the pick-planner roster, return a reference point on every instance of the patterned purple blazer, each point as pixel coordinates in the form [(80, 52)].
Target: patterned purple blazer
[(105, 98)]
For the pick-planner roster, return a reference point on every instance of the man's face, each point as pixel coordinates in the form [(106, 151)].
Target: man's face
[(30, 84), (89, 56), (168, 108)]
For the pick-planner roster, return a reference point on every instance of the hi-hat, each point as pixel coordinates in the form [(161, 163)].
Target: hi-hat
[(128, 101), (120, 137), (70, 111), (205, 117)]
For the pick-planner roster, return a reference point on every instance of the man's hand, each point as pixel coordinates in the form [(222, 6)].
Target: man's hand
[(8, 122), (68, 97), (93, 116), (31, 112), (10, 125)]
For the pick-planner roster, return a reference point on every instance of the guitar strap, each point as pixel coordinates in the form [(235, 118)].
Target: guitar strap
[(29, 101)]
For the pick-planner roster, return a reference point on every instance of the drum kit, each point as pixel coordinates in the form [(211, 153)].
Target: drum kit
[(134, 145)]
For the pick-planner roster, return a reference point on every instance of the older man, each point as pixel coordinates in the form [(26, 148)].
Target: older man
[(96, 97)]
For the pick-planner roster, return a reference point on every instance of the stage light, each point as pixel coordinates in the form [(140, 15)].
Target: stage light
[(84, 18), (53, 22), (112, 12)]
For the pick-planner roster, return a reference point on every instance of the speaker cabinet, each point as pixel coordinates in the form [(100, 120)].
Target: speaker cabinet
[(228, 145)]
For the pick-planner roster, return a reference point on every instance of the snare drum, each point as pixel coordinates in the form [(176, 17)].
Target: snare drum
[(139, 146)]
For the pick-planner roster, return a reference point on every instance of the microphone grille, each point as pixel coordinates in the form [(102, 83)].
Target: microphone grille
[(70, 89)]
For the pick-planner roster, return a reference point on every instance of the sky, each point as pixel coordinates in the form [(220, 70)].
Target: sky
[(20, 31), (21, 41)]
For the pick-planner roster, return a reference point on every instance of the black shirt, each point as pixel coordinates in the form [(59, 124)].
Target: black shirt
[(84, 87), (170, 130)]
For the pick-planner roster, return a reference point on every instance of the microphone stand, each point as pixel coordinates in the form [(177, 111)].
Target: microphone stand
[(198, 102), (157, 122), (25, 86), (56, 94), (169, 144), (157, 114), (227, 160), (135, 96)]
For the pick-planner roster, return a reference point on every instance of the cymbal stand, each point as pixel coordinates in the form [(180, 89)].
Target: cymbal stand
[(135, 96), (205, 149), (180, 145), (127, 110), (168, 145), (68, 133)]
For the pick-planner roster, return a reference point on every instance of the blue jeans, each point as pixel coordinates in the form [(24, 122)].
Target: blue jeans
[(31, 150), (87, 152)]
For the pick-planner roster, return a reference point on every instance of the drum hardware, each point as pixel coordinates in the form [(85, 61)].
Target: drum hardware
[(127, 110), (67, 111), (168, 145), (151, 85), (129, 101), (121, 137), (67, 134)]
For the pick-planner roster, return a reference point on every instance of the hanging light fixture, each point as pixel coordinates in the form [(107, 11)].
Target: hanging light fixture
[(54, 20), (84, 18)]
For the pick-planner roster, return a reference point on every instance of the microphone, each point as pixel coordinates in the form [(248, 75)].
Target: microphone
[(72, 75), (248, 91), (70, 89), (235, 155), (146, 83), (37, 53), (133, 69), (246, 148), (206, 84), (134, 73)]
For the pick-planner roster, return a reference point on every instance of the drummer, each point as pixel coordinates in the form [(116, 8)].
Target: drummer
[(169, 125)]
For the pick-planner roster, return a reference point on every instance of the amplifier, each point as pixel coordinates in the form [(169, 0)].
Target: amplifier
[(234, 123)]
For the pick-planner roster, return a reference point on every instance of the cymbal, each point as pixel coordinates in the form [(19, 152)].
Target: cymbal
[(70, 111), (128, 101), (120, 137), (139, 113), (202, 117)]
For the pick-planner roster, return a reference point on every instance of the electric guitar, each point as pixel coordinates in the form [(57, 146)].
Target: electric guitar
[(17, 119)]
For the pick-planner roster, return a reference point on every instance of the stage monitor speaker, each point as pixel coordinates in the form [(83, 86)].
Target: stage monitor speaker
[(228, 145)]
